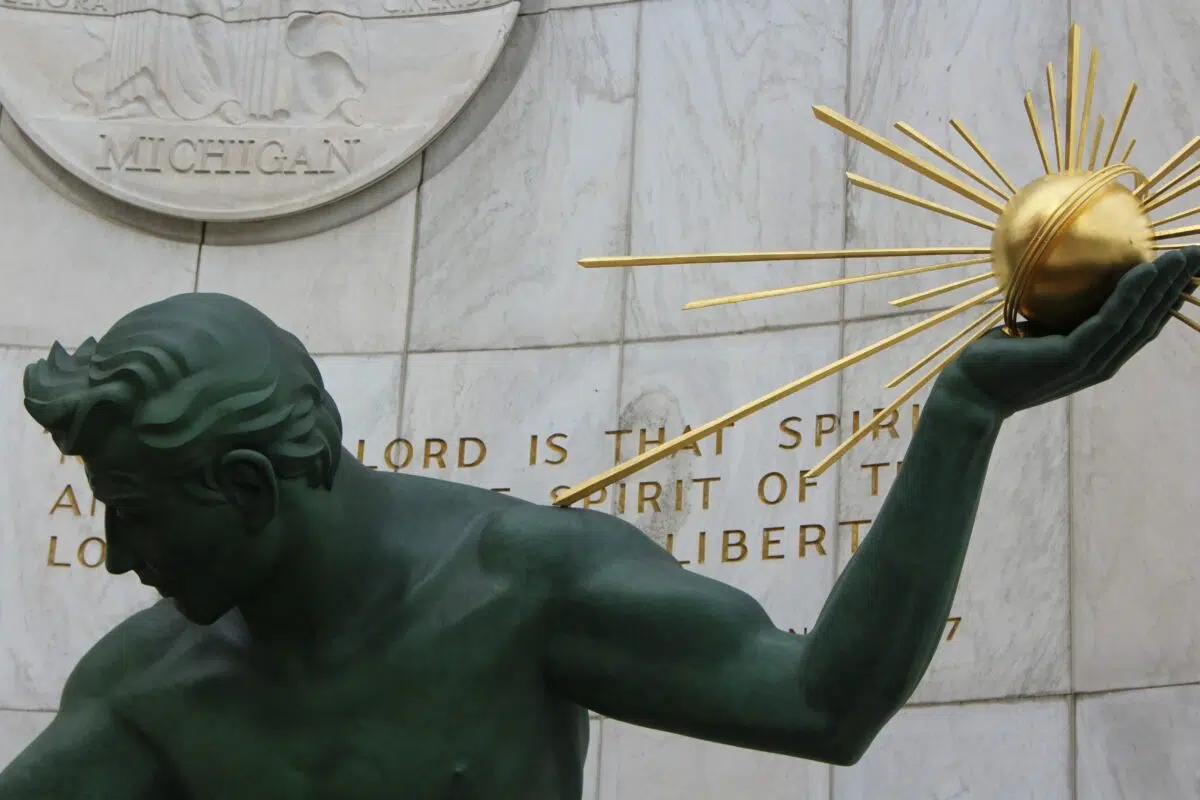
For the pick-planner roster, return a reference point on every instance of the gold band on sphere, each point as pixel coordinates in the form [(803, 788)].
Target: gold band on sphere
[(1063, 241)]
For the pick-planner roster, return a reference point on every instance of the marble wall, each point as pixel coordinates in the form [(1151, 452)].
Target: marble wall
[(456, 313)]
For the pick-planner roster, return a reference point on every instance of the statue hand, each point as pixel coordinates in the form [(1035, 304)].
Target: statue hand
[(1009, 374)]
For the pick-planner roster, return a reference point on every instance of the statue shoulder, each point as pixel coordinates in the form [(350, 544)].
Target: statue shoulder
[(562, 540), (130, 648)]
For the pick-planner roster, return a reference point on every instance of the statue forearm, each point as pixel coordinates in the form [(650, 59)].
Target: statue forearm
[(883, 620)]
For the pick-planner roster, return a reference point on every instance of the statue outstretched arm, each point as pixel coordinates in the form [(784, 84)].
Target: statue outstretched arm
[(635, 636), (638, 638), (87, 752)]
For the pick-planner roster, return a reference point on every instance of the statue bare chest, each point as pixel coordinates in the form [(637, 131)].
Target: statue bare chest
[(452, 707)]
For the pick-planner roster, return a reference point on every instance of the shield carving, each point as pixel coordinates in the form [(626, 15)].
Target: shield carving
[(239, 110)]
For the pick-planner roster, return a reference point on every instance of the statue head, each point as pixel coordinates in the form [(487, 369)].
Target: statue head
[(195, 417)]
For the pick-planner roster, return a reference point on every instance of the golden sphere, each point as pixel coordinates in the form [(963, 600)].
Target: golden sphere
[(1064, 241)]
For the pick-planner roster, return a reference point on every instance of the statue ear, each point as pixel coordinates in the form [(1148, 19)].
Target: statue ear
[(249, 483)]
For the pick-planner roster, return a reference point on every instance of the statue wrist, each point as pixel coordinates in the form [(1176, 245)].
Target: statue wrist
[(955, 396)]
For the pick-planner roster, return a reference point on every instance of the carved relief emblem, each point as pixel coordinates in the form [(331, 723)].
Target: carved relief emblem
[(241, 109)]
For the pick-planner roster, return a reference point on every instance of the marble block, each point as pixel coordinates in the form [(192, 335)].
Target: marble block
[(927, 62), (519, 421), (728, 157), (1011, 634), (1133, 514), (734, 508), (1139, 744), (591, 767), (1134, 565), (17, 730), (980, 751), (66, 272), (1145, 48), (345, 290), (531, 177), (56, 599), (641, 764)]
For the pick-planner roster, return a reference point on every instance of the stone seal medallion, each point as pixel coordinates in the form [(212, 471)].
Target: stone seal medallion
[(240, 110)]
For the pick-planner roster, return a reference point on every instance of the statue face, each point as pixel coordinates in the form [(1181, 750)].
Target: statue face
[(200, 554)]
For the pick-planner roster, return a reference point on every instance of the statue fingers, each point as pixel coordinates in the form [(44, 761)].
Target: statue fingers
[(1169, 277)]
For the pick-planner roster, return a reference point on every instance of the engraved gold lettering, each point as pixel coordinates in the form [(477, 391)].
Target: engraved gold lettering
[(874, 468), (480, 452), (648, 492), (888, 424), (768, 541), (773, 484), (732, 540), (557, 443), (595, 498), (66, 499), (435, 450), (644, 441), (817, 542), (826, 424), (82, 552), (704, 492), (617, 434), (398, 454), (52, 555), (362, 448), (855, 527), (789, 427)]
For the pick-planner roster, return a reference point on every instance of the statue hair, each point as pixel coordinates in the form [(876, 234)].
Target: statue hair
[(194, 377)]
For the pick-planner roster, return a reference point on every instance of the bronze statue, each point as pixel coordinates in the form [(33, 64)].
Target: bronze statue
[(328, 631)]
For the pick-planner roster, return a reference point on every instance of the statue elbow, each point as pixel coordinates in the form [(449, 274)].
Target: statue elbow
[(847, 749), (848, 738)]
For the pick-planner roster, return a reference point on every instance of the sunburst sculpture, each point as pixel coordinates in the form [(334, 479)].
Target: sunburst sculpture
[(1059, 246)]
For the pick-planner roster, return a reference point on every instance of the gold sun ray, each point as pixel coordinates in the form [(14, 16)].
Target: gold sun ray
[(1112, 146), (961, 130), (1087, 105), (1072, 92), (1016, 269), (939, 290), (991, 316), (1058, 162), (891, 407), (1176, 217), (1175, 233), (808, 287), (1096, 143), (1191, 323), (1031, 113), (1166, 197), (920, 202), (945, 155), (1171, 184), (1169, 166)]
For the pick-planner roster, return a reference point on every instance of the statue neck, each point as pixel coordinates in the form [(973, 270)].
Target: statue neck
[(328, 551)]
